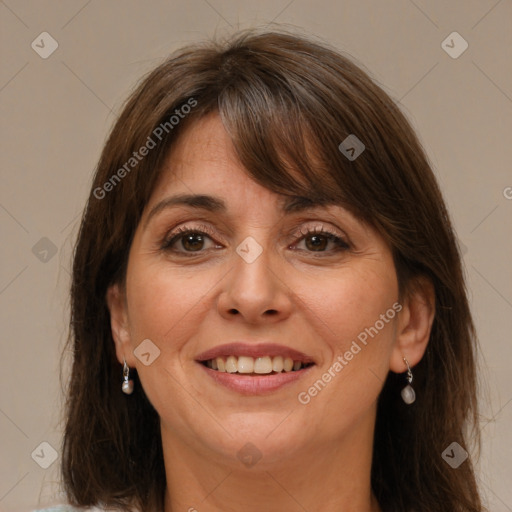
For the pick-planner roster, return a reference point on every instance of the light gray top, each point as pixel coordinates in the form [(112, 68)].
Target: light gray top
[(67, 508)]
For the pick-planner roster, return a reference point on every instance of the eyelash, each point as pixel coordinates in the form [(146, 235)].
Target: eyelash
[(181, 232)]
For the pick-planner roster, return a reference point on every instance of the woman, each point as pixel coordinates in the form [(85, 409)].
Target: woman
[(268, 307)]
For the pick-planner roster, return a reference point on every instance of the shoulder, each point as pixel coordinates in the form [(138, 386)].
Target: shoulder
[(59, 508), (67, 508)]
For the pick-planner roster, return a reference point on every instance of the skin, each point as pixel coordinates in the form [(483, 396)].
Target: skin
[(316, 301)]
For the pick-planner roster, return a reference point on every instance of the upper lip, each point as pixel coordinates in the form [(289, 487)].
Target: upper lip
[(254, 350)]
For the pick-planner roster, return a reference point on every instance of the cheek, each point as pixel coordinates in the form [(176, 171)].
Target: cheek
[(165, 307), (164, 302), (344, 306), (356, 317)]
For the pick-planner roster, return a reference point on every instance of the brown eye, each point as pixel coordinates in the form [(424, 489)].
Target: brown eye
[(192, 242), (320, 240), (188, 240), (316, 242)]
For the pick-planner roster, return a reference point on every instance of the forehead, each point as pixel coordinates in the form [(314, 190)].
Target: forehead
[(202, 160), (204, 148), (203, 163)]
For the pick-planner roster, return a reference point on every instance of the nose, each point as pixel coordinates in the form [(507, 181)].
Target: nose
[(255, 292)]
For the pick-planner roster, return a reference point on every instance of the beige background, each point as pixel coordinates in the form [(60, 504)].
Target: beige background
[(57, 111)]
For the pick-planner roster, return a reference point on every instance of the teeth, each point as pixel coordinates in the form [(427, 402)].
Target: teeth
[(231, 364), (260, 365), (245, 364), (278, 364)]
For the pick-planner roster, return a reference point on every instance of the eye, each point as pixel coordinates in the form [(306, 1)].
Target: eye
[(189, 240), (318, 240)]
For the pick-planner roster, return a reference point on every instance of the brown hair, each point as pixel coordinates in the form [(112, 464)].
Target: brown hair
[(287, 103)]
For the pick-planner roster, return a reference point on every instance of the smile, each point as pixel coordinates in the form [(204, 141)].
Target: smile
[(254, 368), (265, 365)]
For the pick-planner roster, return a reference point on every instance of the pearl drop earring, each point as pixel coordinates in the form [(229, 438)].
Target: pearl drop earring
[(408, 394), (127, 386)]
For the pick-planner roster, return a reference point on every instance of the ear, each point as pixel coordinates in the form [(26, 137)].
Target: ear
[(414, 325), (116, 302)]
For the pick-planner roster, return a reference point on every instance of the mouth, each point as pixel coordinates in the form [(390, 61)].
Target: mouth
[(251, 369), (246, 365)]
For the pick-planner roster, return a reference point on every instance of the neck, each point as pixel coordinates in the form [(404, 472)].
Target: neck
[(332, 477)]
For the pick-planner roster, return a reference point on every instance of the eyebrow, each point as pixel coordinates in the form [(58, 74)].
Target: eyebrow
[(289, 204)]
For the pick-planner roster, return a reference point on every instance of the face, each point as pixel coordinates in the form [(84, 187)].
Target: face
[(238, 280)]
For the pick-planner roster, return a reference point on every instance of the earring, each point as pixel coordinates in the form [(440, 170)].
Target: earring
[(408, 394), (127, 386)]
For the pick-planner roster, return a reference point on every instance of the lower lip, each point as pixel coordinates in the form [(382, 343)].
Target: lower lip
[(255, 384)]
